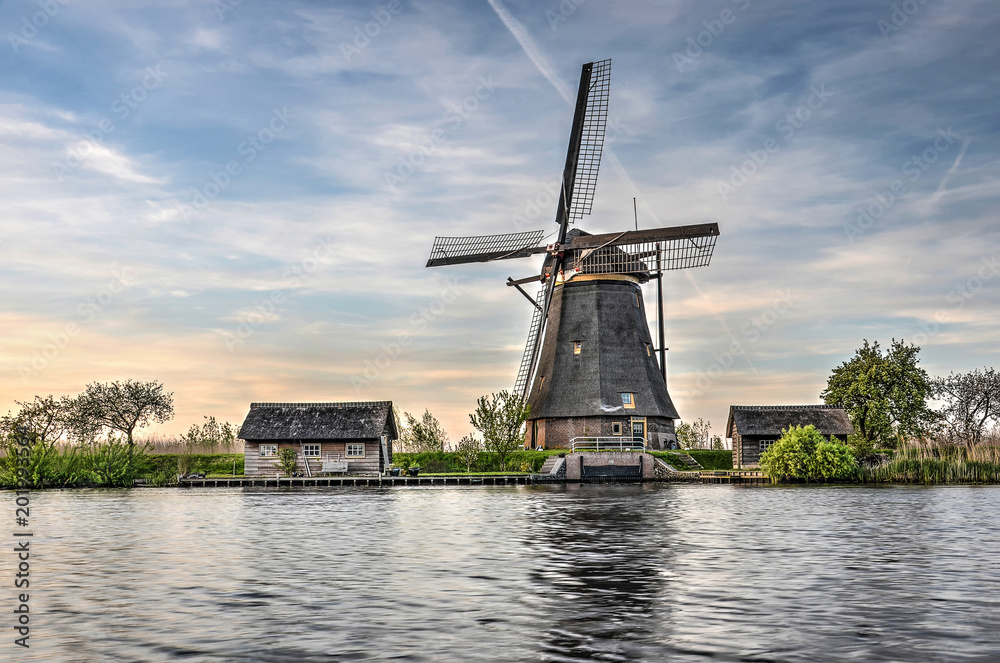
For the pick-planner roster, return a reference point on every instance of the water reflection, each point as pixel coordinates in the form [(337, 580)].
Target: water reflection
[(537, 573)]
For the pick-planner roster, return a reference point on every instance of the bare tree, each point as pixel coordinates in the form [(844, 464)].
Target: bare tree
[(124, 406), (971, 401)]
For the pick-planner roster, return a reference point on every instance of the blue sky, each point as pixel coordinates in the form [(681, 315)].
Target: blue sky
[(237, 199)]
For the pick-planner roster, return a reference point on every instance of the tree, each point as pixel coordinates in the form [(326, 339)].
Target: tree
[(803, 453), (427, 434), (717, 443), (971, 401), (211, 436), (288, 459), (499, 418), (468, 451), (686, 436), (47, 419), (125, 406), (884, 395)]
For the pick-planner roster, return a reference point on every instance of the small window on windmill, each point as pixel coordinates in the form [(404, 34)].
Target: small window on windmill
[(628, 400), (649, 351), (616, 428), (637, 300), (577, 347)]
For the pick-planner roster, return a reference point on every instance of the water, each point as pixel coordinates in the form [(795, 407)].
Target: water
[(536, 573)]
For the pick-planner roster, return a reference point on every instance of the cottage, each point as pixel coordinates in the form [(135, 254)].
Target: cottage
[(352, 438), (753, 428)]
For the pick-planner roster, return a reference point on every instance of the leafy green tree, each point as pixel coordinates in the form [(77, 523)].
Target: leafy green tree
[(500, 418), (124, 406), (424, 434), (885, 395), (46, 418), (686, 437), (803, 453), (287, 459), (468, 451), (211, 436)]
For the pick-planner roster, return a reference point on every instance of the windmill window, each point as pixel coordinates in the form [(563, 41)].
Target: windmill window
[(616, 428), (637, 300), (649, 351), (628, 400), (577, 347)]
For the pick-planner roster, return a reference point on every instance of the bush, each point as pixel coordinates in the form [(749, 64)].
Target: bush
[(288, 459), (803, 453)]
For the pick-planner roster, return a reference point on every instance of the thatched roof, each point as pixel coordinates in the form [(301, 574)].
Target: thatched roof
[(319, 421), (772, 419)]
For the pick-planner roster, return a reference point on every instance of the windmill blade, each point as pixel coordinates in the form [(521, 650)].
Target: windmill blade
[(527, 365), (588, 160), (679, 247), (586, 142), (484, 248)]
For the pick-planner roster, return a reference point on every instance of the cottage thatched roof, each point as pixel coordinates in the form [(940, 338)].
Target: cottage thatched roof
[(319, 421), (772, 419)]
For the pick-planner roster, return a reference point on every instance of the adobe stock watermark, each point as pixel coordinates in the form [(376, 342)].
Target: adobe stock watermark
[(418, 322), (453, 118), (363, 34), (86, 313), (37, 21), (741, 173), (958, 297), (264, 309), (249, 149), (704, 40), (901, 13), (561, 12), (122, 108), (751, 331), (914, 167), (22, 539)]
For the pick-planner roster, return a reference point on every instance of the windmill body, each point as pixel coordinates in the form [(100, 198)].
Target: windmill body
[(590, 366)]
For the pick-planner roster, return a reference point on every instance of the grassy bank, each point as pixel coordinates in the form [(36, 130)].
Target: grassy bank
[(448, 462)]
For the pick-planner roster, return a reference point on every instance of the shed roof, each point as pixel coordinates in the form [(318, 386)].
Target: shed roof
[(772, 419), (319, 421)]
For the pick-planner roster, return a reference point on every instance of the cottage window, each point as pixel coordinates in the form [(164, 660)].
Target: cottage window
[(628, 400), (616, 428), (764, 444), (268, 450), (310, 450), (355, 450), (577, 347)]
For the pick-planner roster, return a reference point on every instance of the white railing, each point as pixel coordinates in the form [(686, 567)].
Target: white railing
[(608, 444)]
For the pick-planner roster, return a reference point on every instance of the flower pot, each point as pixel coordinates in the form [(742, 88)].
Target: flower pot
[(413, 471)]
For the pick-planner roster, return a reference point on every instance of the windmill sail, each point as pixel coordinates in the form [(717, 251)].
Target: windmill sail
[(588, 160), (524, 371), (484, 248), (680, 247)]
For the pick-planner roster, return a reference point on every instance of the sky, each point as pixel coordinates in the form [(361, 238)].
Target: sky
[(237, 198)]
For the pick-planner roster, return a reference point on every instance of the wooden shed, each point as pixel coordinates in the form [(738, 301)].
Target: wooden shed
[(753, 428), (352, 438)]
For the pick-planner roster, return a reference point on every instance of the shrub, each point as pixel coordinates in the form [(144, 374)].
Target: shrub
[(287, 459), (803, 453)]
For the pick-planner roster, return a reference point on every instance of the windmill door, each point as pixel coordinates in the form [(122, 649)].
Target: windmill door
[(639, 427)]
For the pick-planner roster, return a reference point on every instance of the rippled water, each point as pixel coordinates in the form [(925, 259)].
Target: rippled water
[(536, 573)]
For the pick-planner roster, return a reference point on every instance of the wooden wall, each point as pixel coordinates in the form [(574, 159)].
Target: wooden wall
[(330, 450)]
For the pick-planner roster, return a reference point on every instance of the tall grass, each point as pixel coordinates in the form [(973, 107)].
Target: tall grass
[(928, 462), (110, 462)]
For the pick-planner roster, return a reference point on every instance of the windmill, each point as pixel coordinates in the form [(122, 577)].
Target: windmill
[(589, 367)]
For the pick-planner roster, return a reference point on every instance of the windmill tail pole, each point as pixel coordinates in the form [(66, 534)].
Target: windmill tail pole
[(659, 312)]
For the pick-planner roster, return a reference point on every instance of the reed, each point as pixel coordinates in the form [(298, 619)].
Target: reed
[(931, 462)]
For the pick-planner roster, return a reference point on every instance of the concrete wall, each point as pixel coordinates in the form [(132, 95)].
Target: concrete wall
[(575, 461)]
